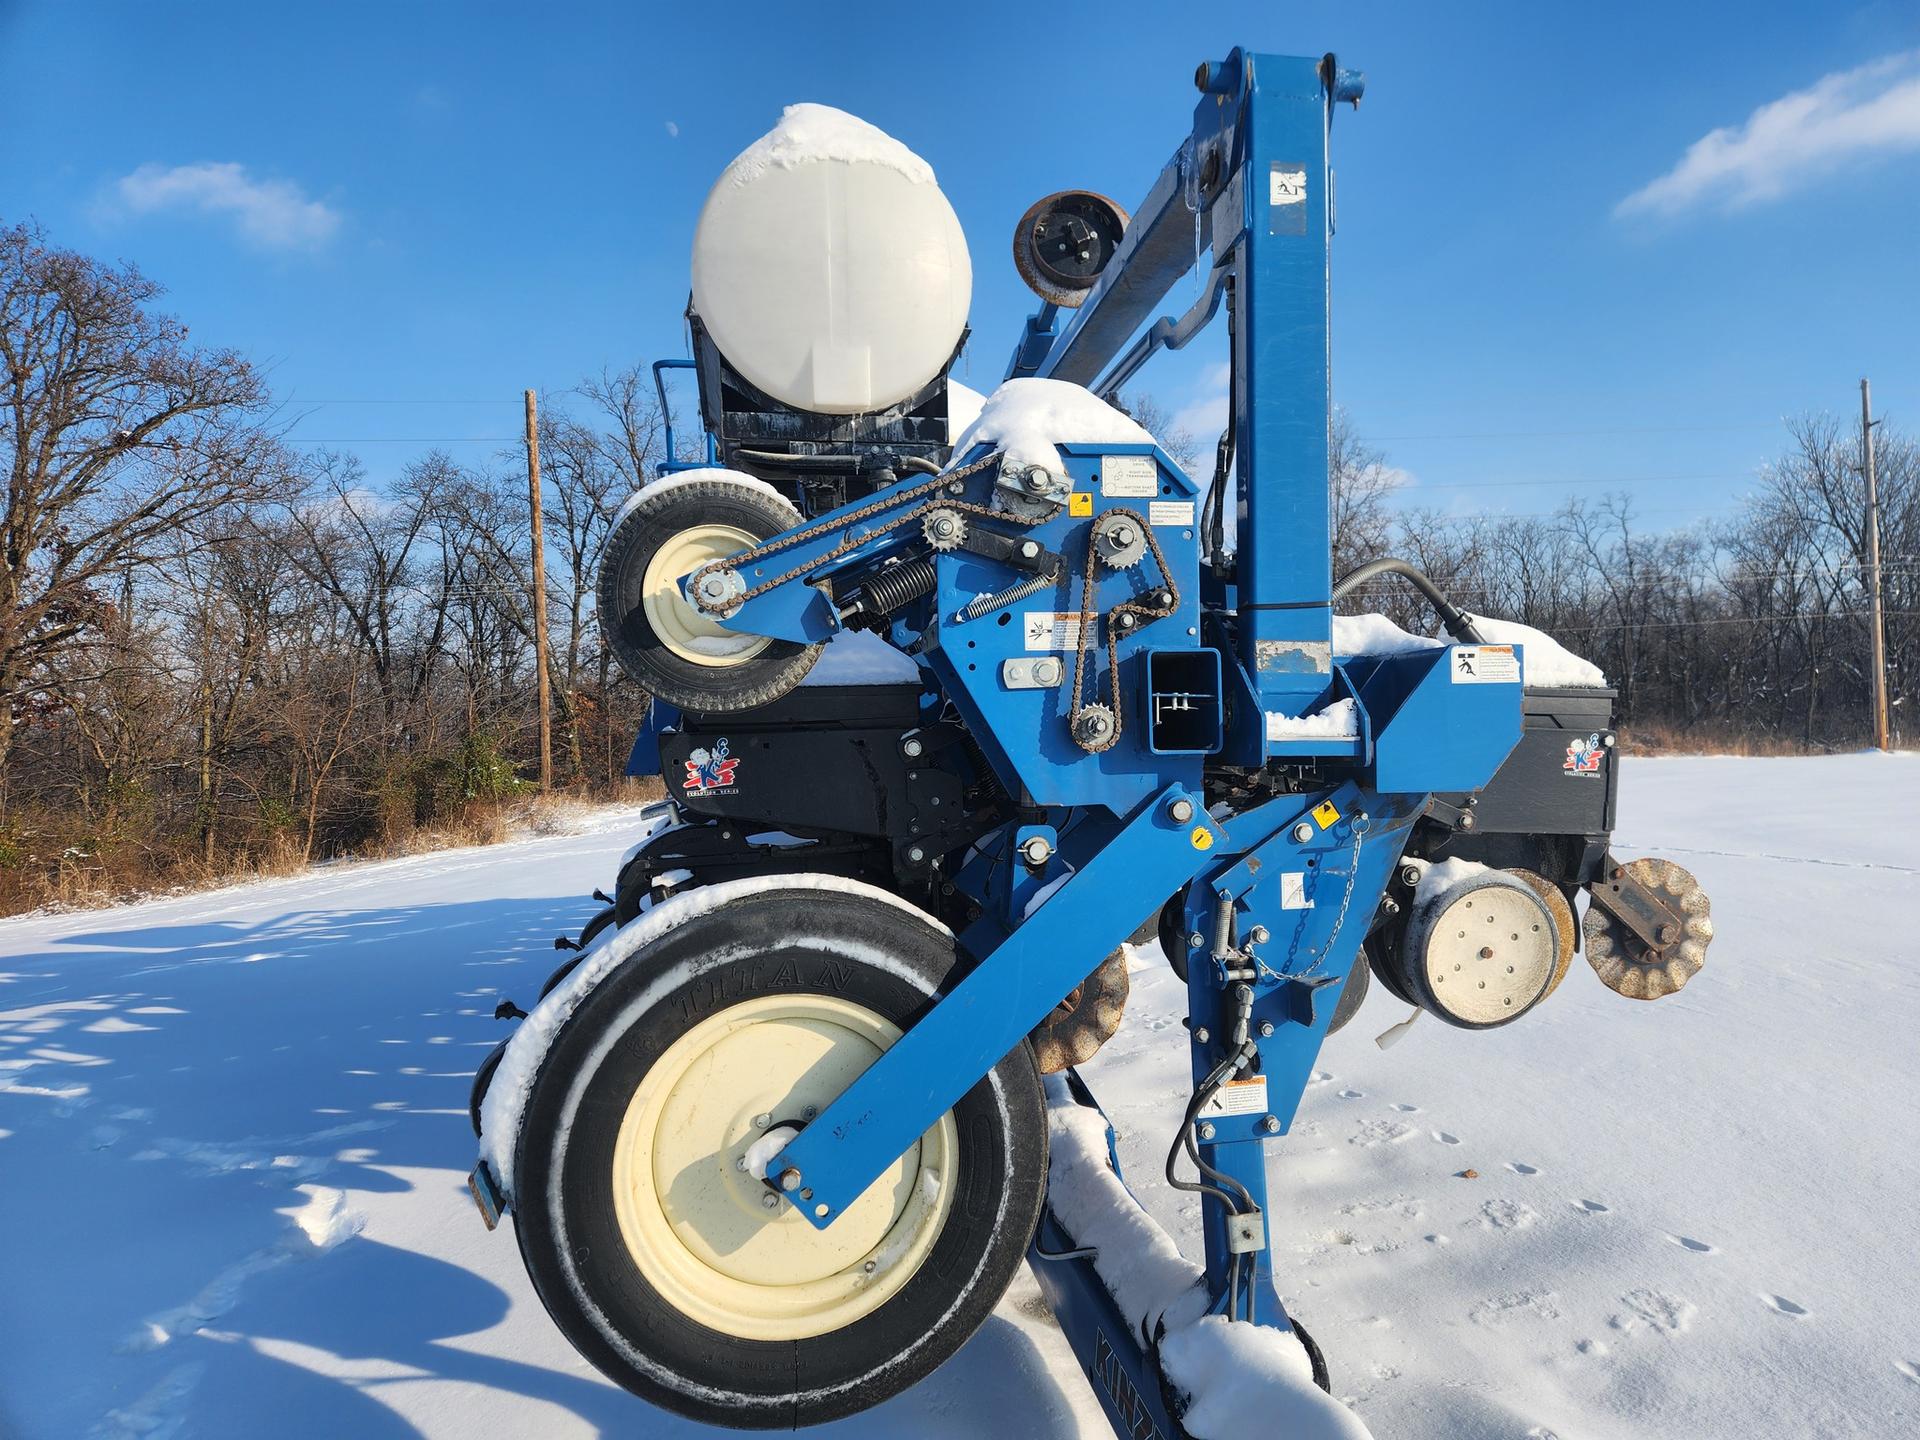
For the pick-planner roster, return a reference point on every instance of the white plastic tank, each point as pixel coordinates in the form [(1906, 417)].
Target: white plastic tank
[(829, 268)]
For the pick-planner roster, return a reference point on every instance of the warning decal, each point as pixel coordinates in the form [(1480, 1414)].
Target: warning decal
[(1239, 1097), (1484, 665), (1170, 512), (1051, 629)]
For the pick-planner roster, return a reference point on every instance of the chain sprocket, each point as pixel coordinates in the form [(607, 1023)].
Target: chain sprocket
[(1126, 618)]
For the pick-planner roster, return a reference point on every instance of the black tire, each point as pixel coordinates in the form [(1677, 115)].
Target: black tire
[(769, 943), (482, 1082), (644, 656), (1353, 994)]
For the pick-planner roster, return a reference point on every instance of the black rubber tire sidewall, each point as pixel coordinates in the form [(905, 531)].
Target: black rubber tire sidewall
[(783, 1384), (623, 621)]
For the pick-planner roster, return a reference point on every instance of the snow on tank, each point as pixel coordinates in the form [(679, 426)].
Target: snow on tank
[(829, 268)]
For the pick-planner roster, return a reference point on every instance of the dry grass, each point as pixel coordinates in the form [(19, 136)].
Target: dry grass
[(44, 867), (1715, 740)]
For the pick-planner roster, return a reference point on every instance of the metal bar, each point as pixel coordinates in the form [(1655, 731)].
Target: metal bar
[(989, 1012)]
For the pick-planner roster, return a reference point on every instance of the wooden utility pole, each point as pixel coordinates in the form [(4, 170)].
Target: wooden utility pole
[(539, 594), (1875, 619)]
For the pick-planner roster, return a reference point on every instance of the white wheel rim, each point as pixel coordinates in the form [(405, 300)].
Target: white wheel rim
[(681, 628), (1490, 954), (697, 1225)]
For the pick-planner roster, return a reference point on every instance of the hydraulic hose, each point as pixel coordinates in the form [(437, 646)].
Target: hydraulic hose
[(1458, 623)]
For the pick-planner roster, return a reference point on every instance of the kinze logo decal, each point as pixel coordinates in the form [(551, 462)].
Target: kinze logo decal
[(1124, 1399), (1584, 756), (710, 770)]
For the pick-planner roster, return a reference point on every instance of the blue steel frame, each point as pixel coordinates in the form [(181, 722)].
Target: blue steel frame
[(1300, 875)]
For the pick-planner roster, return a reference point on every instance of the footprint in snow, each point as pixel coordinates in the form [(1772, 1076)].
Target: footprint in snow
[(1444, 1138), (1592, 1207), (1353, 1094), (1380, 1132), (1320, 1077), (1408, 1109), (1660, 1311), (1784, 1306), (1506, 1214), (1908, 1368), (1698, 1247), (1522, 1169)]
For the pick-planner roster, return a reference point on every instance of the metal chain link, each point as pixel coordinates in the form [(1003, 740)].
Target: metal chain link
[(756, 553), (1126, 607)]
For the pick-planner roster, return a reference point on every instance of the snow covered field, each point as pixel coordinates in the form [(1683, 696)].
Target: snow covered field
[(233, 1139)]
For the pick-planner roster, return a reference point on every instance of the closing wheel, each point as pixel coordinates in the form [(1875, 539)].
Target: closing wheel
[(666, 646), (672, 1266)]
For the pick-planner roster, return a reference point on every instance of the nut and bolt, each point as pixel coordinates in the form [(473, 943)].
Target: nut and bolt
[(1047, 672), (1203, 1035), (769, 1201), (1035, 850), (1466, 821), (789, 1179), (1207, 1132), (1029, 549), (1270, 1125), (912, 748), (1302, 833), (1181, 810), (915, 854), (1125, 620), (943, 526), (809, 1112), (1258, 935), (1196, 941), (871, 1266), (1409, 875), (1036, 480), (1266, 1029), (1123, 534), (762, 1120), (1669, 934)]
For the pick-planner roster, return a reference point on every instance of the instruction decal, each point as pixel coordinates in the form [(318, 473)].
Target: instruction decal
[(1293, 891), (1128, 477), (1485, 665), (1170, 512)]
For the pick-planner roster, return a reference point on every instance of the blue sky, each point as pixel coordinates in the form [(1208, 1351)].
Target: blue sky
[(409, 212)]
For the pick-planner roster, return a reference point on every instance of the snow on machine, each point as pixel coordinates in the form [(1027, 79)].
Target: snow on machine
[(949, 707)]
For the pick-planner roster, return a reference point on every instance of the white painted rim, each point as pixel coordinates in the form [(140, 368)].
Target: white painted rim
[(696, 1223), (1490, 953), (681, 628)]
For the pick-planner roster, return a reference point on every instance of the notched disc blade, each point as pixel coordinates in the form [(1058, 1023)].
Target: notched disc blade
[(1625, 962)]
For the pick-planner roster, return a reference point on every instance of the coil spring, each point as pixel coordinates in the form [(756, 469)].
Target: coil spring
[(982, 604), (899, 585)]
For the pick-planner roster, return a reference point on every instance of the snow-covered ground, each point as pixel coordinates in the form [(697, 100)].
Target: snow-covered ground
[(233, 1139)]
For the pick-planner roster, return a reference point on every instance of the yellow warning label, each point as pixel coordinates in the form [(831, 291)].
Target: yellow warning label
[(1080, 502), (1326, 813), (1202, 838)]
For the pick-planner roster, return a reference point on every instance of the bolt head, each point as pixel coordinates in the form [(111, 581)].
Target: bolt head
[(1302, 833), (769, 1201), (1266, 1029), (1036, 480), (1270, 1125), (762, 1120), (912, 749), (1409, 875), (789, 1179), (1036, 850), (1181, 810), (1029, 548), (1203, 1034), (1196, 940), (1207, 1132), (916, 854)]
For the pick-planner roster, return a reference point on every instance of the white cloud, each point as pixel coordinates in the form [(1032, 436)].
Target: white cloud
[(1790, 142), (673, 129), (1205, 415), (273, 214)]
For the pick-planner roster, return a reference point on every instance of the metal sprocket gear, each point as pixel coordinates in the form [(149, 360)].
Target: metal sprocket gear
[(1094, 728), (944, 528)]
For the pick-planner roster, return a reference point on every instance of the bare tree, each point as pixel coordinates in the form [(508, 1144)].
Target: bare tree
[(117, 435)]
